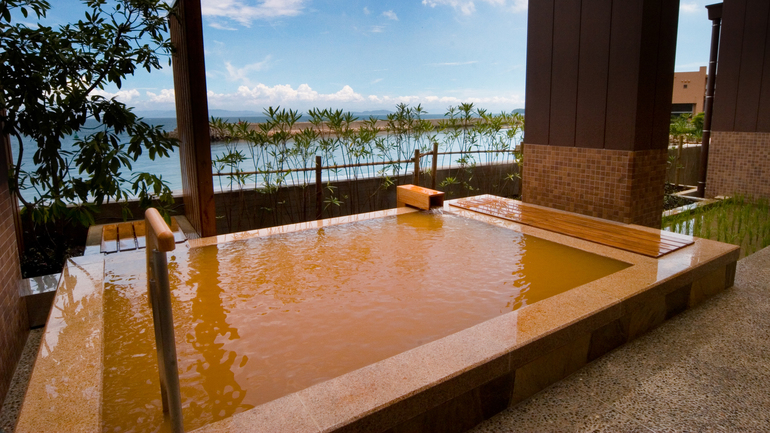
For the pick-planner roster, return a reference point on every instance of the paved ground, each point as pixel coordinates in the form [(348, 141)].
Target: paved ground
[(705, 370), (12, 403)]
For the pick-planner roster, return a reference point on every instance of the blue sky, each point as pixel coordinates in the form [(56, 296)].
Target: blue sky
[(368, 55)]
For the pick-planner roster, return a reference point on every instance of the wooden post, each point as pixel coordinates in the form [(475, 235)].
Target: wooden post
[(160, 240), (186, 31), (319, 190), (434, 166), (416, 177)]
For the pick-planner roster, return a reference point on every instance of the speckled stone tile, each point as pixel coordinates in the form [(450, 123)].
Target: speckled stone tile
[(564, 407), (693, 396), (64, 392), (13, 400), (286, 414), (704, 370)]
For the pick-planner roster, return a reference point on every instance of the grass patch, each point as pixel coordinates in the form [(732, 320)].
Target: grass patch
[(739, 220)]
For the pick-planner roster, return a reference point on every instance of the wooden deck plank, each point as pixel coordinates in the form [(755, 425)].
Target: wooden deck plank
[(110, 238), (617, 233), (607, 238), (608, 233), (126, 239), (557, 221), (585, 228)]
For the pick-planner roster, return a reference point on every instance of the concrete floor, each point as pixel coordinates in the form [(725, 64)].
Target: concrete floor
[(705, 370)]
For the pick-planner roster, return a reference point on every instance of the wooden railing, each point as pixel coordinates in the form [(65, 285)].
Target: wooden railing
[(160, 240)]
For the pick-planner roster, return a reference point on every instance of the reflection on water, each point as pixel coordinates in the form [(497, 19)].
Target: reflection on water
[(209, 389), (260, 318)]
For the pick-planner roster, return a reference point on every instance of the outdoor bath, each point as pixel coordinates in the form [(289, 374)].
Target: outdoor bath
[(399, 319)]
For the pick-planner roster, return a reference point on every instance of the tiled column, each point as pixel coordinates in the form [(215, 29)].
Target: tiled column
[(739, 163), (599, 84), (618, 185)]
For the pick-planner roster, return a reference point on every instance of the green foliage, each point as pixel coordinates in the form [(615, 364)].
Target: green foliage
[(697, 123), (683, 127), (279, 154), (738, 220), (49, 79)]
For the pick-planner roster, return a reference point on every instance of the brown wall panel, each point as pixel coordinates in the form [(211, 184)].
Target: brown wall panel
[(664, 76), (625, 41), (763, 116), (607, 88), (538, 86), (728, 70), (752, 61), (648, 69), (596, 22), (564, 73)]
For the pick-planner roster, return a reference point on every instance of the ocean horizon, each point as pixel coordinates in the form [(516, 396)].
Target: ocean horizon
[(169, 169)]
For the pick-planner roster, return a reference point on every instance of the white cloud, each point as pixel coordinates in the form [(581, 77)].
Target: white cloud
[(376, 81), (303, 97), (244, 12), (445, 101), (366, 11), (519, 5), (284, 93), (166, 96), (467, 7), (378, 29), (390, 15), (691, 7), (261, 96), (242, 74), (219, 26), (124, 96), (453, 63)]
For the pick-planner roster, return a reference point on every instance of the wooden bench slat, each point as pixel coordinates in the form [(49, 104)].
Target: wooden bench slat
[(132, 235), (139, 232), (179, 236), (126, 240), (607, 233), (110, 238)]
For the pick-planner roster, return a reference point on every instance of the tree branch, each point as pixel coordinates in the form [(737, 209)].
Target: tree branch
[(18, 169)]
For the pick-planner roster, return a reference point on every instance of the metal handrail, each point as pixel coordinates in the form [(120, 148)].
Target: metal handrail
[(160, 240)]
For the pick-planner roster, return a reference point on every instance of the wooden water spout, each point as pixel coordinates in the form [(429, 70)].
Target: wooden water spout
[(419, 197), (160, 240)]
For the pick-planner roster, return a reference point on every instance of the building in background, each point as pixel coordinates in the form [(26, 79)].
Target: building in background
[(689, 92)]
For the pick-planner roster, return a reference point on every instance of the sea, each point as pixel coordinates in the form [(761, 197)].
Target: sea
[(169, 168)]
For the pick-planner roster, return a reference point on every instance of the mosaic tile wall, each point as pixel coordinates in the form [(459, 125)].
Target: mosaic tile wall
[(13, 315), (739, 163), (618, 185)]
